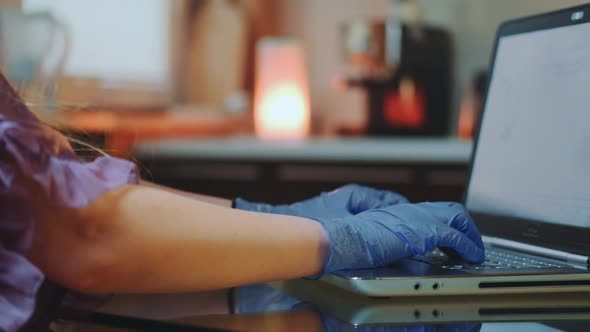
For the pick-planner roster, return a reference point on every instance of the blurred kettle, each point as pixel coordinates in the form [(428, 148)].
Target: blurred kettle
[(33, 50)]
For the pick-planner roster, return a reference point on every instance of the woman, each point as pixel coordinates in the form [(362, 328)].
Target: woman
[(96, 228)]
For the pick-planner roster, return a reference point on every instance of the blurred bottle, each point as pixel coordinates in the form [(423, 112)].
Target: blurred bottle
[(472, 105)]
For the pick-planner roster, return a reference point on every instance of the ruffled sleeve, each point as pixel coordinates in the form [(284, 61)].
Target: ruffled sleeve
[(34, 150)]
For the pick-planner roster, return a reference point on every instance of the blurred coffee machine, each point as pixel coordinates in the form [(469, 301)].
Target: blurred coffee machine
[(405, 67)]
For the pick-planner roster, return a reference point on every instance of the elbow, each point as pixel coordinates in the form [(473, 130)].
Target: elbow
[(82, 248), (85, 275), (86, 268), (77, 253)]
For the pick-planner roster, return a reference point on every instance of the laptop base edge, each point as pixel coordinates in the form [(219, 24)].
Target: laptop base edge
[(457, 285)]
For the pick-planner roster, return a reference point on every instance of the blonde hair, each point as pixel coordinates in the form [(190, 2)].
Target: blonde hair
[(50, 122), (35, 99)]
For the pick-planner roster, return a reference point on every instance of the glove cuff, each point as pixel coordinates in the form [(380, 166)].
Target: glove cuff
[(329, 263), (348, 247), (242, 204)]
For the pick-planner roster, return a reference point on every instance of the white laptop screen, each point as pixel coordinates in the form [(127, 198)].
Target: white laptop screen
[(533, 154)]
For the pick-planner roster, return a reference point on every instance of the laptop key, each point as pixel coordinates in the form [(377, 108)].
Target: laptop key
[(495, 260)]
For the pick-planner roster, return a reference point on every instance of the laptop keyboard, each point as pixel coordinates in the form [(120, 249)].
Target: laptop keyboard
[(495, 259)]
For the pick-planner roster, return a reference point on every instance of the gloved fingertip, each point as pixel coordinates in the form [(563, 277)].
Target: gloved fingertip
[(473, 253), (478, 257), (463, 222), (464, 246)]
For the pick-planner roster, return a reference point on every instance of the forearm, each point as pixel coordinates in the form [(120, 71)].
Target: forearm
[(149, 240), (199, 197)]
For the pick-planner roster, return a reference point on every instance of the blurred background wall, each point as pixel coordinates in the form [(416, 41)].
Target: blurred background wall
[(163, 52)]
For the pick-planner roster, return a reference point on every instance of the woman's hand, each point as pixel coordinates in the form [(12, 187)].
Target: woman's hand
[(342, 202), (379, 237)]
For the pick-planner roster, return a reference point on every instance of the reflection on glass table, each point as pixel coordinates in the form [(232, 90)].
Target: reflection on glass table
[(360, 310), (302, 305)]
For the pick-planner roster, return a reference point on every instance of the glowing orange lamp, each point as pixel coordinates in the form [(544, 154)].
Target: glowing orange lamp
[(281, 94)]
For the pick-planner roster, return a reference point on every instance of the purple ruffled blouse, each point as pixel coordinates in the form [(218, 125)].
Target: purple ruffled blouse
[(32, 149)]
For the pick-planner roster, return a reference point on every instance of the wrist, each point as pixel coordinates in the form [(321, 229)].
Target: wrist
[(325, 252)]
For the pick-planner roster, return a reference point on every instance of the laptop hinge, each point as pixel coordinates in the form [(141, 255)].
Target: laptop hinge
[(540, 251)]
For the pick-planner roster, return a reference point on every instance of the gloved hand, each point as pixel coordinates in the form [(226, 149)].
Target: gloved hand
[(342, 202), (379, 237)]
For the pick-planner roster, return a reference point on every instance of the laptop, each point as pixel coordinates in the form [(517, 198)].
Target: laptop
[(529, 182), (362, 311)]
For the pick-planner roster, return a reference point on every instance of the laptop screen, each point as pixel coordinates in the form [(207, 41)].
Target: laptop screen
[(533, 154)]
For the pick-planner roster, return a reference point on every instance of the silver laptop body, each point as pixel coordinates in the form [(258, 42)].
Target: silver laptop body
[(529, 184), (361, 311)]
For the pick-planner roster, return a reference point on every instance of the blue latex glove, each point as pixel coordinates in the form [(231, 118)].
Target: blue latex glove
[(342, 202), (379, 237)]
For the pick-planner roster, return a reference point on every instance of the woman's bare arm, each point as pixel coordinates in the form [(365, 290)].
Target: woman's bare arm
[(204, 198), (138, 239)]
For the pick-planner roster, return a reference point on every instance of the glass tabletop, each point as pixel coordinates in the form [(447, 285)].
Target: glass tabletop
[(304, 305)]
